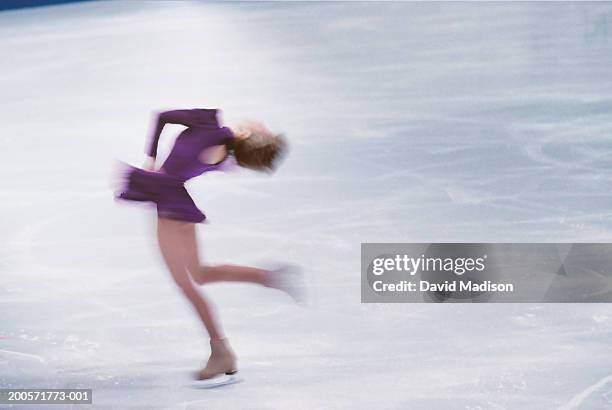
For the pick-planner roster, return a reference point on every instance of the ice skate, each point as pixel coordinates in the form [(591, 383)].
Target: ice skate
[(222, 360), (289, 279)]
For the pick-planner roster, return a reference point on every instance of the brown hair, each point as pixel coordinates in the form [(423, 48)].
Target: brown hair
[(261, 152)]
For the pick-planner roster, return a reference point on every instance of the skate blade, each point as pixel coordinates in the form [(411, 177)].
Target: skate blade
[(217, 381)]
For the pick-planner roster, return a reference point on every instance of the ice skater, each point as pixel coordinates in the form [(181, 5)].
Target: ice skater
[(202, 147)]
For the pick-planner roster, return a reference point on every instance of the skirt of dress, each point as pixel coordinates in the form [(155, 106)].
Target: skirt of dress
[(166, 191)]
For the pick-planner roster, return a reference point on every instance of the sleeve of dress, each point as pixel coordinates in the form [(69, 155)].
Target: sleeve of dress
[(188, 118)]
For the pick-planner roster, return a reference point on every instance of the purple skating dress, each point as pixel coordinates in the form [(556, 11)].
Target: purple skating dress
[(166, 188)]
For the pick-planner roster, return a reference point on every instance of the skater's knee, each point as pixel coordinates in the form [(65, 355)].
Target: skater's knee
[(185, 285), (207, 274), (210, 273)]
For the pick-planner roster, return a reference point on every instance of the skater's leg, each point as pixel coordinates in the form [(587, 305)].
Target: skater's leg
[(287, 278), (222, 273), (169, 234), (172, 244), (230, 273)]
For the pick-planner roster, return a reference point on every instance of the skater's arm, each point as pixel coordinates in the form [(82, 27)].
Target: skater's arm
[(188, 118)]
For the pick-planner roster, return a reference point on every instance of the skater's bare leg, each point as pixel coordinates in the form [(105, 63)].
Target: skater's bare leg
[(202, 274), (171, 235), (170, 238), (230, 273), (287, 279)]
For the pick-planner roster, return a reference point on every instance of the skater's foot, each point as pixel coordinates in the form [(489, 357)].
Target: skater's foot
[(289, 279), (222, 360)]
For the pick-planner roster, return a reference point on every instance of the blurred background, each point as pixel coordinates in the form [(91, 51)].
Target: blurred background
[(424, 122)]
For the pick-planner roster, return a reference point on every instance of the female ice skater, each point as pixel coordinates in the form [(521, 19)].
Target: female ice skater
[(202, 147)]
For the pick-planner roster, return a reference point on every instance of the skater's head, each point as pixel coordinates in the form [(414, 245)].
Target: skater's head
[(257, 148)]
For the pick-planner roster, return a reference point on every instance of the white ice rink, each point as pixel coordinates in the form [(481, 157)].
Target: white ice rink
[(415, 122)]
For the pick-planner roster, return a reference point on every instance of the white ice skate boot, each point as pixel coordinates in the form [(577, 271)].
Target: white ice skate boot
[(222, 360), (289, 279)]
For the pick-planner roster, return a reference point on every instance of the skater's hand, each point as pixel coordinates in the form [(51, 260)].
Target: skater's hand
[(149, 164)]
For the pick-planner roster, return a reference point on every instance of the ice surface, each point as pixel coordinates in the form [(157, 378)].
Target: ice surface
[(408, 122)]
